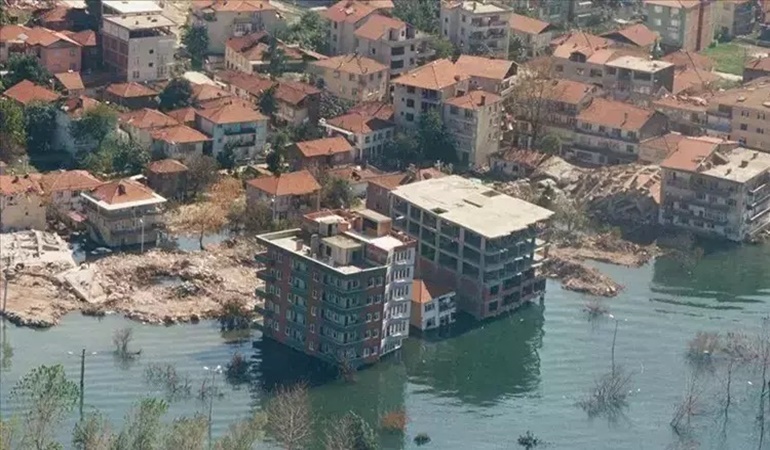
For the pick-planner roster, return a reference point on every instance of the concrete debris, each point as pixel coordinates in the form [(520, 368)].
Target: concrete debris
[(557, 169), (607, 248), (578, 277)]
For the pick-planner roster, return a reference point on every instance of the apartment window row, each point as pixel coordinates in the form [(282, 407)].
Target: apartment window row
[(274, 307), (396, 310), (375, 281), (373, 333), (399, 292), (397, 328), (296, 300), (401, 274), (295, 317), (370, 317)]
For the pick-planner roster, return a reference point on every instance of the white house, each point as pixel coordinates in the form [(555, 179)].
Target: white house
[(233, 126), (433, 305)]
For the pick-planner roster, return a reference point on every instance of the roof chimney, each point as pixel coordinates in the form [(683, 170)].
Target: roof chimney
[(121, 189), (625, 118)]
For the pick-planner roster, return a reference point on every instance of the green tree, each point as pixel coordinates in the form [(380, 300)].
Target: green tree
[(336, 193), (40, 123), (196, 39), (115, 156), (435, 140), (94, 8), (92, 433), (528, 441), (274, 161), (403, 150), (244, 434), (26, 67), (516, 50), (177, 94), (423, 14), (310, 32), (331, 106), (550, 143), (276, 57), (143, 429), (45, 397), (443, 48), (351, 432), (13, 130), (201, 173), (96, 124), (188, 433), (226, 158), (267, 102)]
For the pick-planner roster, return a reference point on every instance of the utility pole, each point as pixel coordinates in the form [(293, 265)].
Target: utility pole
[(82, 380)]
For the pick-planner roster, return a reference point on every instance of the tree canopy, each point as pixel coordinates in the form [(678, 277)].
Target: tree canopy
[(13, 130), (310, 32), (276, 58), (115, 156), (196, 39), (443, 48), (336, 192), (177, 94), (267, 102), (40, 123), (434, 139), (422, 14), (26, 67), (95, 125)]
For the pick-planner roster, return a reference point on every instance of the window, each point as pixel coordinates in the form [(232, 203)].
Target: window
[(135, 74), (493, 306), (410, 103), (312, 311), (453, 110), (760, 130), (430, 307), (410, 89), (72, 52), (658, 9), (409, 117), (366, 352), (630, 148), (368, 317), (657, 22), (376, 316), (375, 334), (674, 22), (152, 51), (150, 64), (744, 127)]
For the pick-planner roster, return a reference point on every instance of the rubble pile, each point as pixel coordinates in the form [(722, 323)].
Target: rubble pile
[(576, 276), (608, 248)]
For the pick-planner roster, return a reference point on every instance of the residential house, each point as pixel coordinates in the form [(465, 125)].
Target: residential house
[(289, 195), (205, 95), (246, 86), (358, 177), (351, 77), (535, 35), (297, 103), (480, 242), (367, 129), (55, 50), (339, 287), (70, 83), (636, 78), (740, 115), (168, 177), (735, 18), (636, 35), (491, 75), (251, 53), (557, 12), (62, 188), (185, 116), (123, 213), (683, 60), (393, 43), (139, 125), (686, 114), (690, 81), (658, 149), (516, 163), (140, 47), (233, 127), (233, 18), (90, 53), (723, 194), (131, 95), (581, 56), (474, 121), (320, 154), (378, 190), (756, 68), (22, 204), (130, 8), (433, 305), (609, 132), (682, 24), (61, 17), (73, 109), (178, 142), (425, 89), (585, 13), (26, 92), (477, 27), (344, 18)]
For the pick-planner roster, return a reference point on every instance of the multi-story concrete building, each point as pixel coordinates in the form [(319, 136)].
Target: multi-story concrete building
[(339, 288), (480, 242), (741, 114), (130, 8), (123, 212), (491, 75), (682, 24), (636, 78), (735, 17), (477, 27), (289, 195), (609, 132), (344, 19), (297, 103), (535, 35), (425, 89), (708, 191), (233, 127), (139, 47), (140, 124), (351, 77), (367, 129), (63, 188), (232, 18), (178, 142), (378, 189), (392, 42), (56, 51), (584, 13), (433, 305), (686, 115), (474, 120)]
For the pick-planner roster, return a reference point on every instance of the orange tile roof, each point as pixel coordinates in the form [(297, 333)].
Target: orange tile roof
[(68, 180), (86, 38), (527, 25), (637, 34), (359, 123), (474, 100), (435, 75), (578, 41), (294, 92), (390, 181), (17, 184), (291, 183), (26, 92), (689, 155), (70, 80), (204, 92), (122, 191), (76, 106), (183, 115), (380, 110), (11, 32), (686, 4), (393, 181), (665, 144), (239, 6), (220, 102), (614, 114), (348, 11), (377, 25), (167, 166), (478, 66), (684, 59), (231, 113), (567, 91), (692, 80), (179, 134), (35, 36), (355, 64), (241, 43), (253, 84), (355, 174), (147, 118), (423, 291), (683, 102), (324, 146), (131, 90)]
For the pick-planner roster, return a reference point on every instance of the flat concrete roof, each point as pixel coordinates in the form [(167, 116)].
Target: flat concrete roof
[(155, 200), (638, 64), (472, 205), (743, 165), (291, 241), (341, 241), (144, 22), (373, 215), (133, 6), (481, 7)]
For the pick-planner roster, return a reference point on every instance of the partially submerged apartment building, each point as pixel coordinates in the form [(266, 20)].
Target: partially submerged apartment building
[(714, 188), (339, 288), (480, 242)]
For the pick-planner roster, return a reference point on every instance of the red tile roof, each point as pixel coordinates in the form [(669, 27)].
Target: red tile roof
[(26, 92), (478, 66), (179, 134), (474, 100), (76, 106), (68, 180), (231, 113), (692, 81), (355, 64), (294, 92), (684, 59), (167, 166), (359, 123), (578, 41), (348, 11), (86, 38), (253, 84), (122, 191), (17, 184), (220, 102), (762, 64), (567, 91), (435, 75), (527, 25), (291, 183), (241, 43), (689, 155), (70, 80), (380, 110), (204, 92), (637, 34), (147, 118), (131, 90), (614, 114), (323, 147), (183, 115), (240, 6), (423, 291), (377, 26), (34, 36)]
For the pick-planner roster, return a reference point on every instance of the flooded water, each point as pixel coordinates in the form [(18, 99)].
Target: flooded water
[(482, 388)]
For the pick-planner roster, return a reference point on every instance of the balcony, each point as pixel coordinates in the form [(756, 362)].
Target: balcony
[(260, 309), (265, 275), (263, 258), (239, 131), (262, 293)]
